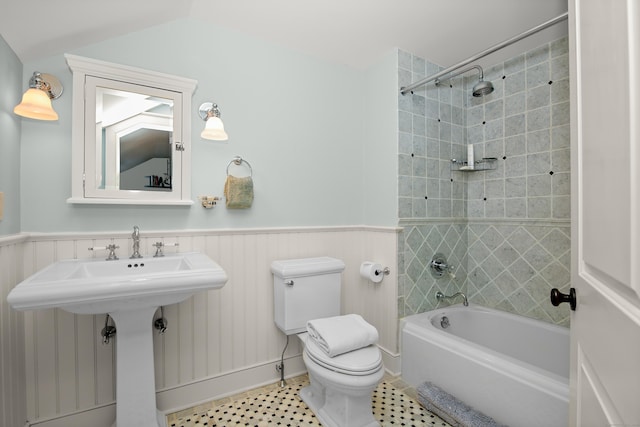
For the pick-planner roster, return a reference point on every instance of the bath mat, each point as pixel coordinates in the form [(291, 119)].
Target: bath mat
[(451, 409)]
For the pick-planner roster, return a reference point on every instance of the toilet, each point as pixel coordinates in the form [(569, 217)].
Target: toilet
[(341, 387)]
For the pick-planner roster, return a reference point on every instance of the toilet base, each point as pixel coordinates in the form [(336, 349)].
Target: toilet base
[(336, 404), (313, 401)]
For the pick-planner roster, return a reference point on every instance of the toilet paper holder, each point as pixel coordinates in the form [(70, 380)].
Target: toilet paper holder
[(386, 271), (373, 271)]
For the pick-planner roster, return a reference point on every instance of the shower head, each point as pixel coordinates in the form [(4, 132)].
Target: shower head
[(482, 88)]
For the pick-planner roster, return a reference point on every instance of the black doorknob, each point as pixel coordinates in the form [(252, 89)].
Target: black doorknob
[(558, 297)]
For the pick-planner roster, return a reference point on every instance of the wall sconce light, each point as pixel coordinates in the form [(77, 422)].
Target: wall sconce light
[(214, 128), (36, 101)]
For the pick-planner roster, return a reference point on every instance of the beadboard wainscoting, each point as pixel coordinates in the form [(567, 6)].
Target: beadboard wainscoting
[(217, 343), (12, 361)]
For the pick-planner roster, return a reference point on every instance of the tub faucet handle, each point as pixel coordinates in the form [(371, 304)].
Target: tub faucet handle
[(439, 266)]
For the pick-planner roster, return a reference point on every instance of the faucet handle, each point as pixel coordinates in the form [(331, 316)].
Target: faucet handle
[(160, 245), (111, 248), (112, 252), (439, 266)]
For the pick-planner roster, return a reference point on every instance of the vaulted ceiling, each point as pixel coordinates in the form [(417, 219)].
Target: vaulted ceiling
[(351, 32)]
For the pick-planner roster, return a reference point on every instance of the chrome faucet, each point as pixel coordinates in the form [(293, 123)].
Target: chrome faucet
[(136, 242), (440, 296)]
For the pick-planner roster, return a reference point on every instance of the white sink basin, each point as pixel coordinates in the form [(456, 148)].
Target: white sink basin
[(93, 286), (130, 291)]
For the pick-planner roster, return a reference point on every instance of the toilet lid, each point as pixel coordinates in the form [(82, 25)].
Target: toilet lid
[(364, 361)]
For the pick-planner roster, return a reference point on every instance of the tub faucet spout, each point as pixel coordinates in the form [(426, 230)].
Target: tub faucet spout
[(440, 296), (136, 242)]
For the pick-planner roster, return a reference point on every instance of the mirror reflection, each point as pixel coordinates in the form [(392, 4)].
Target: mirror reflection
[(134, 133)]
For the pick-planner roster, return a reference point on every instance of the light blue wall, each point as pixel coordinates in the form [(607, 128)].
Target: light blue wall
[(10, 93), (301, 123), (380, 150)]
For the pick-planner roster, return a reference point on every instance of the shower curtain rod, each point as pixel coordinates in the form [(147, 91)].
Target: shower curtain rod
[(404, 90)]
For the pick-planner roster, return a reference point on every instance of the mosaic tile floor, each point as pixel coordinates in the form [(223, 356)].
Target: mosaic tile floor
[(275, 406)]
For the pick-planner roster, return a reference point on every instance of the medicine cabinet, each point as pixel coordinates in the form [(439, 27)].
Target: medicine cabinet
[(131, 135)]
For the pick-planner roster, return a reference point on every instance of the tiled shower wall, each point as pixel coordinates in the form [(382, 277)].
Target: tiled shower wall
[(432, 201), (506, 231)]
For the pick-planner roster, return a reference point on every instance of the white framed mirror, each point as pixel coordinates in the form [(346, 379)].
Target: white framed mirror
[(131, 134)]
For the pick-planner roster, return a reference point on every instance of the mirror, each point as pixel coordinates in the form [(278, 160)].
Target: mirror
[(134, 137), (130, 128)]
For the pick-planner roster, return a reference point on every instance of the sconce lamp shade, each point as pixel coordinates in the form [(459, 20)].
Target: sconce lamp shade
[(36, 101), (36, 104), (214, 128)]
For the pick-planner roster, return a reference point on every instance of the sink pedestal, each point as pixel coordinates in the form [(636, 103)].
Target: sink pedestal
[(135, 376)]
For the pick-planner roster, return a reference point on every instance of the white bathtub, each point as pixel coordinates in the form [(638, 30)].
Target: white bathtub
[(512, 368)]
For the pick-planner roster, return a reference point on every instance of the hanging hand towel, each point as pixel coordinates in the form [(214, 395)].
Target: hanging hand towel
[(238, 192), (341, 334)]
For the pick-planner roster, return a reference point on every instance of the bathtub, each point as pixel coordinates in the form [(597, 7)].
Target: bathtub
[(512, 368)]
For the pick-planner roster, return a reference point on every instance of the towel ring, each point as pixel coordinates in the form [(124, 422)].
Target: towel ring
[(238, 161)]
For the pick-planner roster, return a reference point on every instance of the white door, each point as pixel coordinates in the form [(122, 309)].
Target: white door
[(605, 327)]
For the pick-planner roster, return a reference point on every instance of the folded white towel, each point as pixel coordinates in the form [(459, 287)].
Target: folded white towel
[(341, 334)]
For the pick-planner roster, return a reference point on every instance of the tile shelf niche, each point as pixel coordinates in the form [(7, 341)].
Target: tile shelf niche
[(486, 163)]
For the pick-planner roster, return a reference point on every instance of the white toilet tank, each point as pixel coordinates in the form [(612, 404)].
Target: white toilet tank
[(305, 289)]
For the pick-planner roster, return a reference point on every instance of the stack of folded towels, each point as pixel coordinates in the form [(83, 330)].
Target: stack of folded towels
[(341, 334)]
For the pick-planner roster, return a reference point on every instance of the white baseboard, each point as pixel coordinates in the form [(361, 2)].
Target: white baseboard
[(186, 395), (99, 416), (392, 361), (228, 384), (198, 392)]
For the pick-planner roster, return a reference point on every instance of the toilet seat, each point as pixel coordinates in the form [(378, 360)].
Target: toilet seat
[(364, 361)]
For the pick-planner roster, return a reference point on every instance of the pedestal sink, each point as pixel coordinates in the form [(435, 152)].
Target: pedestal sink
[(130, 291)]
